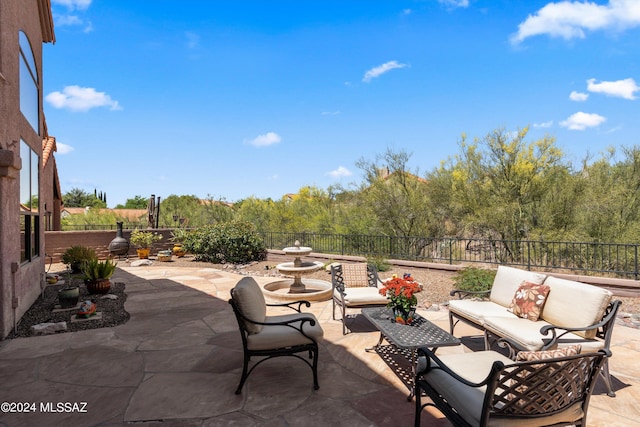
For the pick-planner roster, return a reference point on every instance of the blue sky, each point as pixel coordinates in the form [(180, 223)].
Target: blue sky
[(232, 99)]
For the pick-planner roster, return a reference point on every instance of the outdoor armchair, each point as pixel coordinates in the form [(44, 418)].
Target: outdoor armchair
[(487, 388), (355, 285), (267, 337)]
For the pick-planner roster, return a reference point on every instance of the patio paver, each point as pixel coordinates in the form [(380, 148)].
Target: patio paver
[(178, 360)]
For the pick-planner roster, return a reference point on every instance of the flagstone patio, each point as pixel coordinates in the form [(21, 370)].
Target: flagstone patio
[(178, 360)]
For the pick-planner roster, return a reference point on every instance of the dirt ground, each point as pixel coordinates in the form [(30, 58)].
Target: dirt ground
[(437, 284)]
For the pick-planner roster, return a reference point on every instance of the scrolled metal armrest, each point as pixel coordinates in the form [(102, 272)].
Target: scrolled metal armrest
[(555, 336), (510, 345), (290, 305)]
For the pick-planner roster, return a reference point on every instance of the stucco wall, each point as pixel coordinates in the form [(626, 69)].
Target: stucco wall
[(19, 283), (56, 242)]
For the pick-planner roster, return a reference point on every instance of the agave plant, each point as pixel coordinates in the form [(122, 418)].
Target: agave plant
[(98, 270)]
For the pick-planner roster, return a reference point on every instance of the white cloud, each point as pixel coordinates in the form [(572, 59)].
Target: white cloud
[(381, 69), (265, 140), (63, 148), (570, 19), (614, 129), (340, 172), (581, 121), (543, 125), (66, 20), (407, 12), (193, 40), (578, 96), (330, 113), (454, 3), (620, 88), (69, 19), (76, 98), (73, 4), (72, 20)]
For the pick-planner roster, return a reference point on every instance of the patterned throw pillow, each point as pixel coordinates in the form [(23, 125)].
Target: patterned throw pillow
[(532, 356), (529, 300)]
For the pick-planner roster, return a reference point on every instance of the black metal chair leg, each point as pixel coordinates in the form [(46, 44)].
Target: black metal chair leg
[(244, 376)]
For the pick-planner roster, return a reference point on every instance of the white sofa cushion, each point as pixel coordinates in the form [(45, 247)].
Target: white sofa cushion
[(281, 336), (362, 296), (507, 282), (477, 310), (573, 304)]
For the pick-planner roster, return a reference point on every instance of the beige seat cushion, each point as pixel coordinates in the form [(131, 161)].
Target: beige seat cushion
[(362, 296), (355, 275), (468, 400), (524, 332), (507, 282), (250, 301), (281, 336), (476, 311), (573, 304)]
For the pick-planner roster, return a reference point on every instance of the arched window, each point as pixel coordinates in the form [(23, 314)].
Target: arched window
[(29, 85)]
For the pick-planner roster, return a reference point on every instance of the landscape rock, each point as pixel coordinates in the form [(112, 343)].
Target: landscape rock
[(141, 263), (48, 328)]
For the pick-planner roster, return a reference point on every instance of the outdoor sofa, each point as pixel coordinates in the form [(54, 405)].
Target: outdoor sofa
[(556, 313)]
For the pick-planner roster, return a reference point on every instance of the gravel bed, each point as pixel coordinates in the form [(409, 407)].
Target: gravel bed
[(42, 310)]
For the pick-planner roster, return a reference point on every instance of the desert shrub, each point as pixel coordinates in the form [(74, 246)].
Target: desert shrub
[(474, 279), (234, 242), (77, 256), (380, 263)]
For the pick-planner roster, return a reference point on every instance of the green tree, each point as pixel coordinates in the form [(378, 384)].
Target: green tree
[(610, 210), (78, 198), (137, 202), (396, 196), (495, 184)]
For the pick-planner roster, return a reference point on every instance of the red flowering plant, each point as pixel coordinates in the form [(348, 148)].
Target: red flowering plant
[(401, 292)]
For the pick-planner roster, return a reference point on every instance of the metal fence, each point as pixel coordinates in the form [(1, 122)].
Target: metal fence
[(614, 259), (605, 259), (125, 226)]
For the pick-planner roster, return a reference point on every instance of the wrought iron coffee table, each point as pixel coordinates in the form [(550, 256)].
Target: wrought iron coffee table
[(421, 333)]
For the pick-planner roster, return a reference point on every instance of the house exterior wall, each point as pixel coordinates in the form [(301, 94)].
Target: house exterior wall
[(51, 201), (20, 283)]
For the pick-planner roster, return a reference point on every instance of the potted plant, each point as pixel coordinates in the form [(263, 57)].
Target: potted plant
[(402, 299), (97, 274), (144, 240), (68, 296), (178, 237), (76, 256)]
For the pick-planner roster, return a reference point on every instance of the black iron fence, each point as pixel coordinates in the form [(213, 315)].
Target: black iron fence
[(614, 259), (605, 259), (125, 226)]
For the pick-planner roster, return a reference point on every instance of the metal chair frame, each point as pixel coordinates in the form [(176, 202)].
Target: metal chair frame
[(522, 390), (266, 354), (338, 282)]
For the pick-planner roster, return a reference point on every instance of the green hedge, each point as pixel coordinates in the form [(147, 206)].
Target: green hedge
[(234, 242)]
